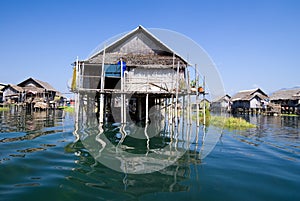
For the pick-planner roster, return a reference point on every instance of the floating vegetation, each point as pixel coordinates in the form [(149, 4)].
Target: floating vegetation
[(67, 108), (289, 115), (230, 123), (4, 109)]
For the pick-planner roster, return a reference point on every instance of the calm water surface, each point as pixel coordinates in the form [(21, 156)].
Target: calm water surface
[(40, 160)]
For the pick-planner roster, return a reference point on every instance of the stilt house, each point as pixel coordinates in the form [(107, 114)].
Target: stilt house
[(287, 99), (12, 93), (221, 104), (246, 101), (138, 66)]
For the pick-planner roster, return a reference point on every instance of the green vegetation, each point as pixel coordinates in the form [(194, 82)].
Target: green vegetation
[(4, 109), (67, 108), (231, 123), (289, 115)]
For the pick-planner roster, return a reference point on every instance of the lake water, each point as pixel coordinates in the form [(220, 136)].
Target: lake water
[(40, 160)]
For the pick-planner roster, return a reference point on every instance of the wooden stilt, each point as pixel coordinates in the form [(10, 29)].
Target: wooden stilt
[(197, 97), (177, 90), (204, 115), (147, 109)]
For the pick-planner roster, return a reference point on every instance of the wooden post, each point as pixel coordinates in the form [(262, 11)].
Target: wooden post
[(147, 107), (204, 115), (177, 88), (81, 76), (166, 112), (189, 100), (101, 106), (122, 92), (124, 97), (197, 97)]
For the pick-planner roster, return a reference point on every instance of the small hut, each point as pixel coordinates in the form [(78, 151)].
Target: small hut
[(249, 101), (32, 92), (288, 99), (12, 93), (221, 104)]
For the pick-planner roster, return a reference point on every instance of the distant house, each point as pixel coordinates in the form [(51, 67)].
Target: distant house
[(32, 92), (288, 99), (38, 89), (12, 93), (221, 104), (201, 103), (247, 101), (1, 92)]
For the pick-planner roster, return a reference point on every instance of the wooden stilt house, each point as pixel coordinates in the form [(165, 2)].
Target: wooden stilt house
[(249, 101), (287, 99), (138, 68)]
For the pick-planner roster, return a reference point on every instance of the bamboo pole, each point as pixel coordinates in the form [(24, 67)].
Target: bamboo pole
[(189, 99), (101, 106), (204, 115), (197, 97), (122, 94), (124, 98), (177, 88), (147, 107)]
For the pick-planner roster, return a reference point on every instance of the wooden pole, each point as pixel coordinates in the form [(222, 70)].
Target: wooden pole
[(147, 107), (124, 98), (188, 101), (204, 115), (190, 105), (177, 88), (197, 97), (101, 106), (122, 95)]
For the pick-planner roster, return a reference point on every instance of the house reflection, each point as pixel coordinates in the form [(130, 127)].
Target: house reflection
[(31, 123)]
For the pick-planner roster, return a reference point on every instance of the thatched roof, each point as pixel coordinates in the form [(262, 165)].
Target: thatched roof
[(138, 48), (14, 87), (37, 83), (222, 98), (247, 95), (2, 87), (286, 94)]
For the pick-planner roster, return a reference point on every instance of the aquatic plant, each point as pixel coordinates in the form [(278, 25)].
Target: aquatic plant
[(4, 108), (231, 123), (67, 108)]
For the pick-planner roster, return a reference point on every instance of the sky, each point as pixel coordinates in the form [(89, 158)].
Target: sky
[(254, 43)]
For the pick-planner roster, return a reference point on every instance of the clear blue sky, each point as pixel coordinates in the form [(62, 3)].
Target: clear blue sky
[(254, 43)]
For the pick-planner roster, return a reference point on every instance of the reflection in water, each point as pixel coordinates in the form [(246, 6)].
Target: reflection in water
[(280, 133), (168, 180), (139, 147), (17, 127), (56, 167)]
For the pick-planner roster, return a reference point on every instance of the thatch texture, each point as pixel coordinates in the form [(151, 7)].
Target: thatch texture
[(30, 82), (247, 95), (139, 48), (140, 60), (286, 94)]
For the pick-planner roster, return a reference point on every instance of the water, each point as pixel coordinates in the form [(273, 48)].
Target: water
[(40, 160)]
